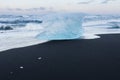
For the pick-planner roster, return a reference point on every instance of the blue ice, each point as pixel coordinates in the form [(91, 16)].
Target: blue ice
[(62, 26)]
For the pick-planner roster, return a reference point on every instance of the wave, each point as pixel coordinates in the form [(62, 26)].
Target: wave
[(21, 31), (94, 25), (20, 21), (114, 25), (12, 24), (6, 27)]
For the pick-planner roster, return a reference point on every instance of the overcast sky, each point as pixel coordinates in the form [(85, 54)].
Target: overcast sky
[(88, 6)]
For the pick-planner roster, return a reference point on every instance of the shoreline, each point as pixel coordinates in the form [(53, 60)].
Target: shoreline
[(91, 59)]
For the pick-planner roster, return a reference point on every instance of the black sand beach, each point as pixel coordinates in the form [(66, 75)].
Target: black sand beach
[(97, 59)]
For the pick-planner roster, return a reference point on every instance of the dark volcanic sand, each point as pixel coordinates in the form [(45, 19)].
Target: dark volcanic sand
[(97, 59)]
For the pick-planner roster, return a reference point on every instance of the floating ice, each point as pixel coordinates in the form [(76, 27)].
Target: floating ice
[(62, 26), (21, 67), (39, 58)]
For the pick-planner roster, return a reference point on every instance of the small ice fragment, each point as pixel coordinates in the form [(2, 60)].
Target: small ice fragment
[(21, 67), (39, 58)]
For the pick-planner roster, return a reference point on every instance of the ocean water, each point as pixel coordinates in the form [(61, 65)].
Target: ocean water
[(100, 24), (25, 30), (19, 31)]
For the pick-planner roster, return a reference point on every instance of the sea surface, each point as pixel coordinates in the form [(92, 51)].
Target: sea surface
[(22, 30)]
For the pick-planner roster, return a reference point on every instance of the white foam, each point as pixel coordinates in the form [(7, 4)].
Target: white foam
[(26, 36), (93, 28), (19, 38)]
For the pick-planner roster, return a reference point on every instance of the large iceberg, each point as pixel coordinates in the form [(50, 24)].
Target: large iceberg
[(62, 26)]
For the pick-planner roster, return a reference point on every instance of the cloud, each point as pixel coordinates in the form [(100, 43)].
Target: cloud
[(107, 1), (96, 1), (36, 9), (86, 2), (13, 9), (18, 9)]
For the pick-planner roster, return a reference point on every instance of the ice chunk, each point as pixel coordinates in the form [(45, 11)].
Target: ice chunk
[(39, 58), (61, 26), (21, 67)]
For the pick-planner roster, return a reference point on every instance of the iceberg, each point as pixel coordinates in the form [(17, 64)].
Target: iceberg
[(62, 26)]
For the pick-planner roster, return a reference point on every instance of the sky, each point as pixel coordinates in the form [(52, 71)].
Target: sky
[(86, 6)]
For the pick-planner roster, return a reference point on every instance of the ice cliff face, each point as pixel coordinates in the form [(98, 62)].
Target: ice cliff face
[(61, 26)]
